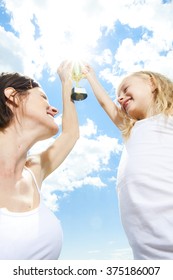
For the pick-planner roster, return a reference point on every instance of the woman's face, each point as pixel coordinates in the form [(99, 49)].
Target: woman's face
[(38, 114), (135, 95)]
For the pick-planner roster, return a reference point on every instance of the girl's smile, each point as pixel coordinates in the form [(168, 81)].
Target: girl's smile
[(136, 98)]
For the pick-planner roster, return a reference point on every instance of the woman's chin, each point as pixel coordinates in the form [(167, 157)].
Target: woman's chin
[(55, 129), (52, 131)]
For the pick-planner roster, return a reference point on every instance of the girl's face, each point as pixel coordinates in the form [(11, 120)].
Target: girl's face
[(135, 95), (38, 114)]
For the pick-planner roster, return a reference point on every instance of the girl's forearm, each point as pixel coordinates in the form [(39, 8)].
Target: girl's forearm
[(104, 99)]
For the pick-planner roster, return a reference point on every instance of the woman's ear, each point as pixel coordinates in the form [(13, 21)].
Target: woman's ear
[(10, 93)]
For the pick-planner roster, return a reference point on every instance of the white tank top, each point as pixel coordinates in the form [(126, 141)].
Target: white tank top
[(145, 188), (32, 235)]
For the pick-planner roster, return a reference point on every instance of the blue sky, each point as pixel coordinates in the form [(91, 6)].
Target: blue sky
[(116, 39)]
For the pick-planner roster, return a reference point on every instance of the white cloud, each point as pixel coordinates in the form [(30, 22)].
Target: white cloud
[(105, 57), (122, 254), (10, 59), (89, 129), (144, 54), (152, 50), (64, 28), (51, 199), (89, 157), (45, 32)]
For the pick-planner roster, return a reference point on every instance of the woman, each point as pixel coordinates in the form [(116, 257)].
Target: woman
[(145, 174), (28, 229)]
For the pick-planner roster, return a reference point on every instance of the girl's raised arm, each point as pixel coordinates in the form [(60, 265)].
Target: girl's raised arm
[(103, 98)]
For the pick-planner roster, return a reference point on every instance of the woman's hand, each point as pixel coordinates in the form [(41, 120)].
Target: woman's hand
[(64, 71)]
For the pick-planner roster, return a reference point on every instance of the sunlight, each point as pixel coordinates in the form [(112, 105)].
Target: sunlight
[(78, 54), (76, 49)]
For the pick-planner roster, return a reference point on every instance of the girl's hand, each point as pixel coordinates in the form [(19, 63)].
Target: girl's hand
[(88, 71)]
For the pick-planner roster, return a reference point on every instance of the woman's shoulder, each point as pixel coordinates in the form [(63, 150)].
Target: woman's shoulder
[(34, 164), (32, 161)]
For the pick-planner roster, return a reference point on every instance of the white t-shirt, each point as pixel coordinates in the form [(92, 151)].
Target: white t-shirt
[(32, 235), (145, 188)]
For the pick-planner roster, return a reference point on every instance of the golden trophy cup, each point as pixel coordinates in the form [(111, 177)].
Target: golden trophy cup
[(78, 93)]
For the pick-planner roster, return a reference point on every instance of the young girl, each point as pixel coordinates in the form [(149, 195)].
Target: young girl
[(28, 229), (145, 174)]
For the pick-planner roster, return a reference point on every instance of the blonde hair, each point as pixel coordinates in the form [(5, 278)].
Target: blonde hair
[(163, 99)]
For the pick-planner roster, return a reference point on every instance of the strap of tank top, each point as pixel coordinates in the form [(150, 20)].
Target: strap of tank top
[(33, 176)]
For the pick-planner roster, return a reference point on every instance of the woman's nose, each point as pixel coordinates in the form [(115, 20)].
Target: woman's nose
[(54, 111)]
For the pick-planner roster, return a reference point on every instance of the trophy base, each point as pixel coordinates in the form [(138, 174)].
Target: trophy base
[(78, 93)]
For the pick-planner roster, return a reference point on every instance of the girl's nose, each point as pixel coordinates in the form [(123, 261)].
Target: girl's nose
[(120, 98)]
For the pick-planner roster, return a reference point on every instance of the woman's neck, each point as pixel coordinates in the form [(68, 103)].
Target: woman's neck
[(13, 153)]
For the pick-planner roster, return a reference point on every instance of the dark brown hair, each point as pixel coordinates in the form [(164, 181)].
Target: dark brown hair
[(21, 84)]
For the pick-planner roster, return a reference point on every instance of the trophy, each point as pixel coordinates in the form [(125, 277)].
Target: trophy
[(78, 93)]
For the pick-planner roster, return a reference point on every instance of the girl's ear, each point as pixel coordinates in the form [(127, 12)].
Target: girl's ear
[(10, 93), (153, 85)]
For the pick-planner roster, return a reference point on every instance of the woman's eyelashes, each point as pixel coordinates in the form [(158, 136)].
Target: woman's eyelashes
[(45, 97)]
